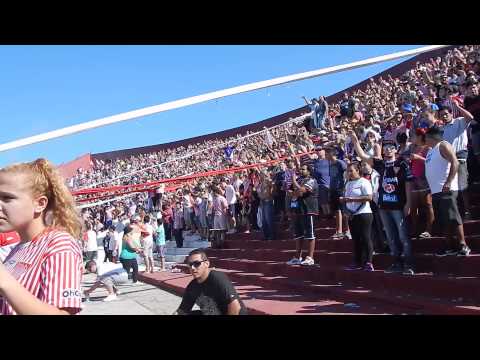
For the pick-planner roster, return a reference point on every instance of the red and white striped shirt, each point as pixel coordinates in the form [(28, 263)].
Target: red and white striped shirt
[(49, 267)]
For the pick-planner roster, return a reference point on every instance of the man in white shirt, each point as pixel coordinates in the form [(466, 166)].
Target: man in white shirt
[(231, 196), (91, 246), (455, 133)]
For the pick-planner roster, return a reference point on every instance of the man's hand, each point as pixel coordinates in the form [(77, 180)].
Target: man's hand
[(446, 187), (353, 136), (406, 210), (416, 157)]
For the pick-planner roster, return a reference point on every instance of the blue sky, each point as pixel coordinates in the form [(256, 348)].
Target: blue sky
[(44, 88)]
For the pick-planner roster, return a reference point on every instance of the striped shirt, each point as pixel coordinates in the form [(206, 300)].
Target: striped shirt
[(49, 267)]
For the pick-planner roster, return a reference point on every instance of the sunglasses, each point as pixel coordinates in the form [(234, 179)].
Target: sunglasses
[(196, 264)]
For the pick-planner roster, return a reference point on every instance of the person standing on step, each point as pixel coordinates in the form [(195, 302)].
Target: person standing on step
[(321, 172), (160, 242), (231, 196), (455, 133), (220, 208), (128, 256), (441, 169), (178, 218), (394, 203), (211, 290), (379, 240), (147, 243), (265, 193), (421, 195), (305, 206), (337, 187), (358, 194)]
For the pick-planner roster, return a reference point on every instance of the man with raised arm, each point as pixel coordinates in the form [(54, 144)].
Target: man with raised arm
[(393, 201)]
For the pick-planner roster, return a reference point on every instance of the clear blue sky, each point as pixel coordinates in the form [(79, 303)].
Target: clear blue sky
[(44, 88)]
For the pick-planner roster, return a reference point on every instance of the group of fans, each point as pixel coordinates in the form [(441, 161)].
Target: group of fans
[(388, 162), (363, 160)]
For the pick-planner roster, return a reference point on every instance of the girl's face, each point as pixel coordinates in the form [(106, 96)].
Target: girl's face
[(352, 173), (18, 208)]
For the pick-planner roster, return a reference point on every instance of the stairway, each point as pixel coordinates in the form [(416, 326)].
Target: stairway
[(441, 285)]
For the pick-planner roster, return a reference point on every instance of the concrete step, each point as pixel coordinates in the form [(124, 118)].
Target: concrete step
[(181, 251), (424, 284), (180, 259), (282, 296), (431, 245), (424, 263)]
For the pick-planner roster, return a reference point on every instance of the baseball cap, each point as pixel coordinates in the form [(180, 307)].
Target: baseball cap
[(434, 107)]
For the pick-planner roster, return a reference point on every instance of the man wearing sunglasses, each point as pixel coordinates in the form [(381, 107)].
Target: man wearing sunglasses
[(211, 290)]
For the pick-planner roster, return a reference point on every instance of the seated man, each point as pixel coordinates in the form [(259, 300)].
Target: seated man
[(211, 290), (109, 279)]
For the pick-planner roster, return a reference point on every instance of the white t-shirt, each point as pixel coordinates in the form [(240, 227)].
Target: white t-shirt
[(149, 229), (359, 187), (92, 241), (230, 195)]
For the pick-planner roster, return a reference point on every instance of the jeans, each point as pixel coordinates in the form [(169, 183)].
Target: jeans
[(267, 219), (130, 264), (318, 120), (397, 235)]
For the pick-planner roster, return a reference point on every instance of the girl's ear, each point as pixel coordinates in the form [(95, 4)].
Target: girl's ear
[(40, 204)]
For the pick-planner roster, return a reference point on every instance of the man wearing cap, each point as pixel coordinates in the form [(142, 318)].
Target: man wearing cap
[(455, 133), (394, 202)]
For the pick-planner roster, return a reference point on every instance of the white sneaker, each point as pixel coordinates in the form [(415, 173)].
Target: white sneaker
[(425, 235), (347, 235), (110, 297), (294, 261), (308, 261)]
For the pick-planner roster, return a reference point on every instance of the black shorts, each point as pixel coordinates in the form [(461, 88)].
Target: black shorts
[(323, 195), (334, 198), (446, 209)]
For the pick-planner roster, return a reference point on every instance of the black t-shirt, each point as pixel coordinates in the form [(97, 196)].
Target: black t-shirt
[(212, 296), (472, 104), (392, 190), (309, 201)]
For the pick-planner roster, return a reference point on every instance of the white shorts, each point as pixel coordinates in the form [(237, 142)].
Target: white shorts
[(148, 249)]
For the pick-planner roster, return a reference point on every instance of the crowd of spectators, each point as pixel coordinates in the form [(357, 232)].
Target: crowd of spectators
[(363, 160)]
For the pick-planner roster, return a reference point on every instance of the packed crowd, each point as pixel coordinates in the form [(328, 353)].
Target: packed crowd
[(388, 162), (362, 160)]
